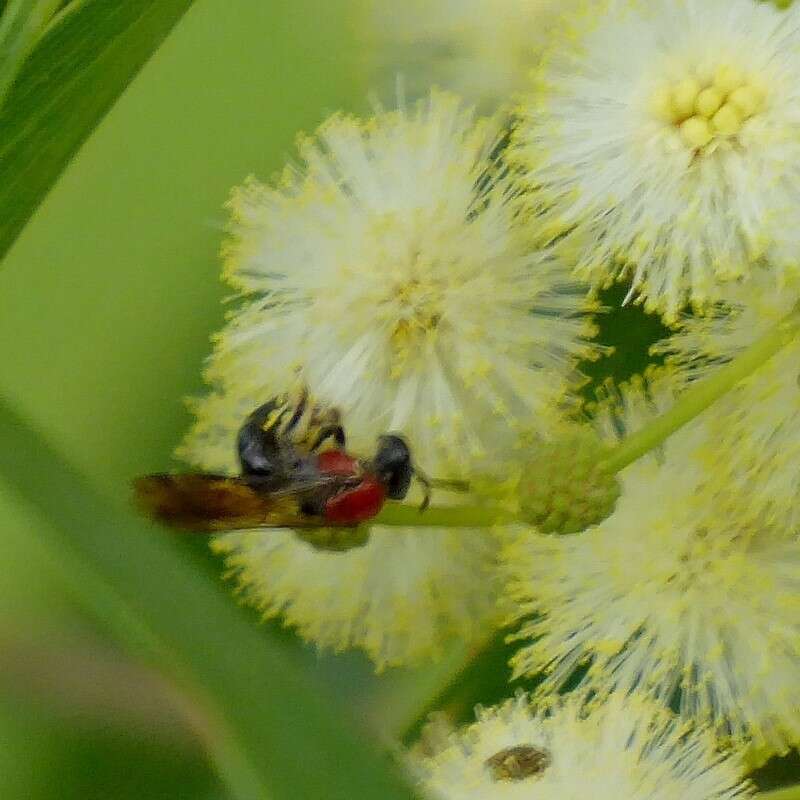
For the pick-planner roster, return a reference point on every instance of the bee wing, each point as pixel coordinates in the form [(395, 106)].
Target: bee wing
[(212, 503)]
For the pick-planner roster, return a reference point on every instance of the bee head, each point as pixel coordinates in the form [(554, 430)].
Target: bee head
[(392, 465)]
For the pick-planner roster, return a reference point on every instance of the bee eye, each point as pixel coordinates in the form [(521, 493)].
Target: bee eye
[(393, 463)]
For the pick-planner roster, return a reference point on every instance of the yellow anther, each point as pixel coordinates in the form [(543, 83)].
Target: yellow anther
[(727, 122), (684, 96), (696, 132), (700, 111), (708, 102), (662, 105), (746, 100), (728, 78)]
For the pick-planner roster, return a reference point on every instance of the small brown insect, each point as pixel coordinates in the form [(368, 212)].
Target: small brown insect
[(518, 763)]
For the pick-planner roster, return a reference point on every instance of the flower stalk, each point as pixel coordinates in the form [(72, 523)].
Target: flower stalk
[(788, 793), (464, 516), (702, 395)]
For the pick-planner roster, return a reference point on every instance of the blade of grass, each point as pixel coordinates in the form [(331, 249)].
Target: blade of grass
[(278, 737), (73, 75), (21, 23), (405, 707)]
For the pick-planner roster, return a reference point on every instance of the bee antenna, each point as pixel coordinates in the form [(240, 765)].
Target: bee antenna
[(451, 484), (426, 487)]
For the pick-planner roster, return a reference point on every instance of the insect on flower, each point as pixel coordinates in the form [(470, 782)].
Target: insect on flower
[(518, 762), (285, 480)]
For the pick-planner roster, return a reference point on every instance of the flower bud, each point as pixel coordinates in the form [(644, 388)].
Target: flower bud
[(562, 487)]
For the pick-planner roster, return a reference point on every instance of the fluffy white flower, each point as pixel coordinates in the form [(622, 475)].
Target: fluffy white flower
[(684, 591), (482, 49), (662, 140), (387, 276), (757, 424), (625, 750), (398, 598)]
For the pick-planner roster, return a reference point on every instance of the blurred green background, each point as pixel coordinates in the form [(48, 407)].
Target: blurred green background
[(106, 304)]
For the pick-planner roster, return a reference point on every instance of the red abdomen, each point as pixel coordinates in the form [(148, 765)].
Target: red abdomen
[(337, 462), (356, 505)]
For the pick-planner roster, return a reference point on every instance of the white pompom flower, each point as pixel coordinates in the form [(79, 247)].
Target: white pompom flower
[(400, 598), (662, 141), (388, 277), (685, 592), (626, 750), (482, 49)]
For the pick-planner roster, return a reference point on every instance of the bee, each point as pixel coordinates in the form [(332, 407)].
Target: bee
[(286, 480)]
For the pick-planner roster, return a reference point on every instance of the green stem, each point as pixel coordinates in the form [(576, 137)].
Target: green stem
[(789, 793), (701, 395), (402, 515)]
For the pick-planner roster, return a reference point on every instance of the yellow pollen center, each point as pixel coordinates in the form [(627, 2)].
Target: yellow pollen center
[(710, 110), (416, 305)]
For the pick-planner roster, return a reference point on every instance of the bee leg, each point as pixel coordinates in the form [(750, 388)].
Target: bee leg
[(259, 448), (426, 484), (297, 414), (335, 432), (325, 415)]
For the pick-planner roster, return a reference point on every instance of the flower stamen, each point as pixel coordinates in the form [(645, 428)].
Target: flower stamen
[(706, 111)]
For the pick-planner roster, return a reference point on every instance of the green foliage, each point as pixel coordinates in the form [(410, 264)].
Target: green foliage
[(43, 756), (21, 23), (629, 332), (56, 96)]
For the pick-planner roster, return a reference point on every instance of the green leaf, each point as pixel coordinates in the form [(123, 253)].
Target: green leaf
[(21, 23), (275, 735), (72, 76)]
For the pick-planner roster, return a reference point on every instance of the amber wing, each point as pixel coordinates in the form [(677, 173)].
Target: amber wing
[(212, 503)]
